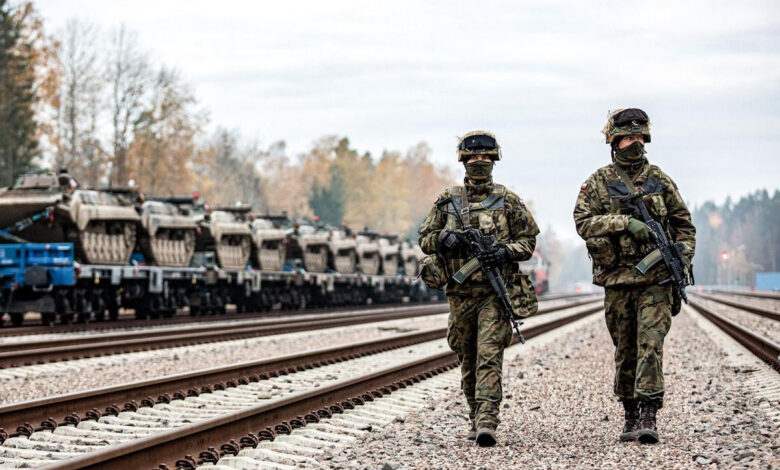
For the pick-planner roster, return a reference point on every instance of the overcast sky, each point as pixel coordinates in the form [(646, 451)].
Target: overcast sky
[(541, 75)]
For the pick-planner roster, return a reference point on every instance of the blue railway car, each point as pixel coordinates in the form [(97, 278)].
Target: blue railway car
[(31, 276)]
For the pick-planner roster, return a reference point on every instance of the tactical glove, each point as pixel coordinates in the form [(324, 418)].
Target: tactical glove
[(452, 241), (640, 231), (496, 257)]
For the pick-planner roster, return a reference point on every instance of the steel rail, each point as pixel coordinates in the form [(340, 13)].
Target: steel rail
[(246, 323), (180, 318), (26, 354), (764, 312), (125, 322), (73, 407), (760, 294), (228, 434), (39, 352), (91, 404), (766, 349)]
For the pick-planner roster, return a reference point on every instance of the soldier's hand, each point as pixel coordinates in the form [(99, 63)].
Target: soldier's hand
[(640, 231), (452, 240), (496, 257)]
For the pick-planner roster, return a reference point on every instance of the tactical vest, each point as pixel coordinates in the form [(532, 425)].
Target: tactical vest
[(615, 256), (489, 215)]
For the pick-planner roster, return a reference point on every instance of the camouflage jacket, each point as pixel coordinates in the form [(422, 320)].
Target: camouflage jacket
[(507, 218), (602, 219)]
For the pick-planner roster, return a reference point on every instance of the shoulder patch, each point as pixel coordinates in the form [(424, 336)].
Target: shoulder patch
[(584, 186), (520, 200)]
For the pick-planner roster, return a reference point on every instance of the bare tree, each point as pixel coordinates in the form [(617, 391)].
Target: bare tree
[(127, 73), (80, 92)]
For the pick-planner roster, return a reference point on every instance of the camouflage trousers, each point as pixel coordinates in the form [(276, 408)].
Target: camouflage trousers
[(478, 334), (638, 319)]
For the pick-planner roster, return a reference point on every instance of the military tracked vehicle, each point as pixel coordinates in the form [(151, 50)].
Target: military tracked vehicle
[(100, 224), (167, 230), (390, 252), (343, 249), (225, 231), (309, 245), (269, 241), (369, 257)]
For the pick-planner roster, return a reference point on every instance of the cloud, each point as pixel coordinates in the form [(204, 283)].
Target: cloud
[(541, 74)]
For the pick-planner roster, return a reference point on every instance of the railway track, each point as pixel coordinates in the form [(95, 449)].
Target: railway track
[(128, 323), (216, 411), (758, 294), (52, 350), (765, 348), (764, 312)]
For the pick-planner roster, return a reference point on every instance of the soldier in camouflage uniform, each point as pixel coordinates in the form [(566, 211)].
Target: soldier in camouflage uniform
[(638, 310), (477, 331)]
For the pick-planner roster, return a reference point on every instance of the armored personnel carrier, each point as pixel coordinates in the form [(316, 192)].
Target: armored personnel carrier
[(411, 254), (309, 244), (369, 257), (167, 230), (225, 232), (100, 224), (269, 245), (343, 249), (390, 252)]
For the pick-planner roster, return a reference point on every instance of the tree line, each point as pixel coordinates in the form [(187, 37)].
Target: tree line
[(95, 101), (736, 240)]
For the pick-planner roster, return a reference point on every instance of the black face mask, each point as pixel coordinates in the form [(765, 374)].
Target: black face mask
[(631, 154), (479, 170)]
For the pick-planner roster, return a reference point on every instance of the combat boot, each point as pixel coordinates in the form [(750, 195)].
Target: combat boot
[(631, 408), (486, 437), (646, 431), (472, 432)]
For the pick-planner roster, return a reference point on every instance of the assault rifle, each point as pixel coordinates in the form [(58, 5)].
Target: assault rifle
[(480, 243), (670, 253)]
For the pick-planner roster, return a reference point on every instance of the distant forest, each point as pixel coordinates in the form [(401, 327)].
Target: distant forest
[(736, 240)]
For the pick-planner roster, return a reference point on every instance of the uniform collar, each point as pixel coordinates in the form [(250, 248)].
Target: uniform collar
[(638, 171), (483, 187)]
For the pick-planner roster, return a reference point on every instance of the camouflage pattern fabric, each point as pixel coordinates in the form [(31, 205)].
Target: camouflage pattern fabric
[(638, 311), (611, 131), (513, 225), (601, 219), (638, 319), (478, 334), (477, 331)]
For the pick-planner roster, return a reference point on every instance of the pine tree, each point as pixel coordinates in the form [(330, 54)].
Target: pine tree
[(329, 202), (18, 143)]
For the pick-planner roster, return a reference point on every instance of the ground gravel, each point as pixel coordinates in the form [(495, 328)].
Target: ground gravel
[(69, 376), (559, 412)]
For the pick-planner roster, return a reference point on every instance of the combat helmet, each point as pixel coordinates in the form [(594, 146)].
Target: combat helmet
[(626, 121), (479, 143)]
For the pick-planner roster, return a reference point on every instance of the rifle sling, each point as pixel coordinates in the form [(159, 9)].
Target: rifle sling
[(464, 208), (625, 179)]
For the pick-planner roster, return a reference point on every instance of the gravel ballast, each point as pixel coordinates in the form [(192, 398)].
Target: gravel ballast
[(28, 382), (559, 412), (762, 325)]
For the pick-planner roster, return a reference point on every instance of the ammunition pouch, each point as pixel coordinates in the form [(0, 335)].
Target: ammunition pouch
[(602, 252), (523, 295), (433, 271)]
